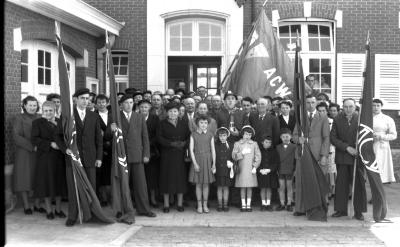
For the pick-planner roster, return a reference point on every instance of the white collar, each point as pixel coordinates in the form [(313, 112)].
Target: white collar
[(313, 113), (201, 132), (81, 111)]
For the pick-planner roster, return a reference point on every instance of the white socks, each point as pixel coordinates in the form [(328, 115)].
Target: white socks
[(248, 202), (243, 203), (268, 202), (263, 202)]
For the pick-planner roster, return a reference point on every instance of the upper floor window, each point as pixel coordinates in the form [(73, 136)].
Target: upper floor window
[(120, 62), (24, 65), (44, 67)]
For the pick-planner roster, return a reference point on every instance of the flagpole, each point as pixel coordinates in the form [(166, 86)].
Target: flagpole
[(358, 125)]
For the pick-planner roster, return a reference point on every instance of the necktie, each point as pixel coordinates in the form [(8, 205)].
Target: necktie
[(82, 116), (261, 117), (310, 117), (128, 116)]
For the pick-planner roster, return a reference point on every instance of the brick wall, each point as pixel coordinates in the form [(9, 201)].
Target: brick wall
[(35, 26), (133, 37)]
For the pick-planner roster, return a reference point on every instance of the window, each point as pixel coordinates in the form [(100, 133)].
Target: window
[(317, 51), (121, 71), (208, 78), (210, 37), (181, 37), (24, 65), (44, 67)]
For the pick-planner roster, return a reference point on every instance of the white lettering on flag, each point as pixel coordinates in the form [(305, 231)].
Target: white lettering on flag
[(363, 139), (282, 91), (269, 72)]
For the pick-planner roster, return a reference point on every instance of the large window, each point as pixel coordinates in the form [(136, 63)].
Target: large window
[(121, 70), (317, 51)]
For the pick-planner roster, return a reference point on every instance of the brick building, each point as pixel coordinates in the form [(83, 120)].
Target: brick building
[(160, 43)]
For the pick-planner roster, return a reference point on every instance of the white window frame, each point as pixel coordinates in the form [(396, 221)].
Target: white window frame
[(90, 82), (195, 37), (119, 79)]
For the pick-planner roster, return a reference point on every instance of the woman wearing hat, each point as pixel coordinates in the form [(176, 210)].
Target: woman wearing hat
[(173, 136)]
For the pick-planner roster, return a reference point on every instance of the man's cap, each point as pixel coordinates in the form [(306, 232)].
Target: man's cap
[(229, 93), (125, 97), (144, 101), (81, 91)]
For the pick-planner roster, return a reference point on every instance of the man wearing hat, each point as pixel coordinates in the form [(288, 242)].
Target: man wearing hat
[(90, 146), (137, 147)]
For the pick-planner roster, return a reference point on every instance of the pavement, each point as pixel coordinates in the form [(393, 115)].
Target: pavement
[(231, 228)]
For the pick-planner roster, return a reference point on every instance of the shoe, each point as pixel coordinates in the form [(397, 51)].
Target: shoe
[(154, 205), (148, 214), (280, 208), (28, 211), (220, 209), (166, 209), (298, 214), (249, 209), (118, 215), (269, 208), (383, 221), (70, 222), (289, 208), (60, 214), (243, 209), (226, 209), (358, 216), (180, 208), (50, 216), (40, 210), (199, 210), (339, 214), (205, 209), (263, 208)]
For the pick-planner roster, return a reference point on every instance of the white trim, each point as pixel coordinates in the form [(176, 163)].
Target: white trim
[(197, 12), (387, 80), (307, 9), (75, 13), (275, 18), (17, 39), (90, 81), (339, 19)]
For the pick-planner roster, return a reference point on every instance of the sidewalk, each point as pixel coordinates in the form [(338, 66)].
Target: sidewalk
[(36, 230)]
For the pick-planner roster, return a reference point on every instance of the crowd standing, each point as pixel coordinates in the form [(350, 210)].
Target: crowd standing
[(179, 138)]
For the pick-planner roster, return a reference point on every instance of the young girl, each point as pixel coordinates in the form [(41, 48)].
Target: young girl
[(267, 172), (223, 152), (247, 153), (202, 152)]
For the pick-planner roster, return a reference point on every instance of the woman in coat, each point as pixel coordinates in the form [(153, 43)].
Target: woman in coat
[(50, 178), (24, 166), (173, 136)]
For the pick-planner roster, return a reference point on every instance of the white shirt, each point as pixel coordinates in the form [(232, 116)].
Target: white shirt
[(190, 115), (312, 114), (286, 118), (82, 113), (104, 116), (128, 115)]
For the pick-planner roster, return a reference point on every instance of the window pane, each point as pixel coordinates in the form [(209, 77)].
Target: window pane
[(123, 70), (186, 44), (24, 73), (48, 77), (175, 30), (187, 29), (325, 81), (202, 77), (294, 29), (93, 88), (175, 44), (40, 76), (116, 70), (203, 44), (48, 60), (325, 45), (312, 30), (124, 60), (24, 56), (215, 44), (115, 61), (284, 31), (314, 44), (40, 58), (212, 91), (326, 65), (214, 82), (215, 30), (314, 65), (324, 31), (204, 30)]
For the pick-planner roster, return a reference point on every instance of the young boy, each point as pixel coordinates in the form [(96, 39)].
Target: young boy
[(286, 151)]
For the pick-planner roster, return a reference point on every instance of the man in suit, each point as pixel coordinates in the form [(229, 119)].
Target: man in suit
[(190, 107), (247, 102), (318, 139), (343, 137), (286, 119), (264, 123), (90, 146), (137, 147)]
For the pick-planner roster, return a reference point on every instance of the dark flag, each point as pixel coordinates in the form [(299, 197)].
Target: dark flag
[(311, 185), (121, 195), (366, 140), (88, 202), (263, 67)]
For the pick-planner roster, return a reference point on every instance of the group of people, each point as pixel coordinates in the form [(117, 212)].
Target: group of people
[(178, 138)]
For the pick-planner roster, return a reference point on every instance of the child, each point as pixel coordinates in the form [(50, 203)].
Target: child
[(247, 153), (223, 151), (286, 151), (202, 152), (267, 172)]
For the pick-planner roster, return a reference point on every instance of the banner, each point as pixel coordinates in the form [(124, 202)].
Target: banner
[(263, 67)]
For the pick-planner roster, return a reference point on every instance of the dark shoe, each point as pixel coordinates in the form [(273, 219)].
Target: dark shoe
[(166, 209), (40, 210), (263, 208), (289, 208), (50, 216), (148, 214), (339, 214), (226, 209), (280, 208), (249, 209), (298, 214), (118, 215), (28, 211), (70, 222), (219, 209), (60, 214), (180, 208), (243, 209), (269, 208), (358, 216)]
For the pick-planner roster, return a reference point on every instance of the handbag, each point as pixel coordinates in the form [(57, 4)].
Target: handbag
[(236, 168)]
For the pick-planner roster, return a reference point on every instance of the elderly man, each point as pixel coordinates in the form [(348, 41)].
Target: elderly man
[(137, 146), (190, 107), (343, 137), (216, 103), (230, 117), (170, 92), (202, 92)]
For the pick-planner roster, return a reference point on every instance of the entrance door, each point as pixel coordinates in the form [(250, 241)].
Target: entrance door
[(195, 72)]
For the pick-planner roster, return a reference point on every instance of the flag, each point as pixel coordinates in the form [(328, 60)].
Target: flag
[(121, 195), (88, 202), (366, 140), (263, 67), (311, 185)]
